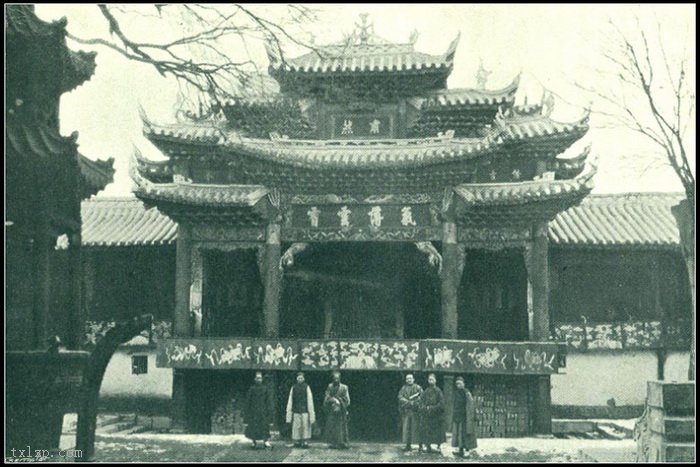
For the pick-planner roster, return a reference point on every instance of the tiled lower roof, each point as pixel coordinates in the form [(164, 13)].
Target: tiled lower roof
[(124, 222), (613, 220)]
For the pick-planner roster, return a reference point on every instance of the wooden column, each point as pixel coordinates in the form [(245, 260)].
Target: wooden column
[(77, 311), (42, 282), (271, 300), (183, 279), (536, 260), (450, 280), (88, 274), (450, 285), (181, 321), (272, 281), (658, 314)]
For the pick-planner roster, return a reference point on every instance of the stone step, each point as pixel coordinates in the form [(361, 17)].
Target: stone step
[(106, 420), (675, 428), (676, 399), (562, 426), (116, 427)]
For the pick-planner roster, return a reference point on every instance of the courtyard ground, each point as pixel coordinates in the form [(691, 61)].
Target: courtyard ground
[(153, 447)]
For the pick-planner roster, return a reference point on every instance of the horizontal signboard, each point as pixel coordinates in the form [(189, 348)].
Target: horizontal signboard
[(453, 356)]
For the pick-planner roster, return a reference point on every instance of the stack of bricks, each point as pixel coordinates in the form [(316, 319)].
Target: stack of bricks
[(501, 407), (227, 418)]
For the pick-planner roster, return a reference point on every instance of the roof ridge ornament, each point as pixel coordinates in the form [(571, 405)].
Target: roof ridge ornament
[(363, 29), (482, 75), (547, 103), (414, 36), (452, 48)]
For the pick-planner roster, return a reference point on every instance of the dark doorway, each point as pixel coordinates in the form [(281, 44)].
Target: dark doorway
[(361, 290), (374, 411), (233, 291), (493, 296)]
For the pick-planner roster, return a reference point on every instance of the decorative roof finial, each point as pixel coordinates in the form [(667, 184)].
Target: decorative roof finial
[(482, 75), (414, 36), (364, 29), (547, 104)]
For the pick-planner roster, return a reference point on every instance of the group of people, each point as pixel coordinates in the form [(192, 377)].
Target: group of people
[(422, 414)]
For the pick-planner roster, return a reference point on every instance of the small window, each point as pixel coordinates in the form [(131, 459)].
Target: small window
[(139, 364)]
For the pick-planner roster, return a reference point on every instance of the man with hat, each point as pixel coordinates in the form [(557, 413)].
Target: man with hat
[(258, 412), (431, 408), (409, 397), (300, 412), (336, 404), (463, 419)]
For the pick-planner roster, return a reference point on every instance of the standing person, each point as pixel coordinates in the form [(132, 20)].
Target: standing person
[(432, 410), (463, 419), (259, 412), (336, 405), (409, 398), (300, 412)]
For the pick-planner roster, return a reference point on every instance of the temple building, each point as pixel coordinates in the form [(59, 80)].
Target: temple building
[(46, 179), (370, 219)]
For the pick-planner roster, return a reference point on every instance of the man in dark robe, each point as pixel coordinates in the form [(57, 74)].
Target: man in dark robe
[(258, 412), (432, 411), (409, 397), (300, 412), (463, 419), (336, 405)]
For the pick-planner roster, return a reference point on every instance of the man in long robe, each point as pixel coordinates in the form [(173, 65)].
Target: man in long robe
[(336, 405), (409, 397), (300, 412), (432, 412), (463, 419), (258, 412)]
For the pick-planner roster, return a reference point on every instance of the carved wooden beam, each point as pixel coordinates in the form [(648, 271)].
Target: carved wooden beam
[(287, 258), (434, 257)]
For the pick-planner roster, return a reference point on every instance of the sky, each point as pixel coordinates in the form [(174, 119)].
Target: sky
[(553, 46)]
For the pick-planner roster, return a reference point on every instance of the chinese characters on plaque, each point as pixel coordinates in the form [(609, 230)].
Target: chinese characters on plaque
[(374, 217), (362, 126)]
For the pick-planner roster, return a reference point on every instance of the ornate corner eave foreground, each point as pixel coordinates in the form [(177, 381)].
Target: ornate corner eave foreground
[(185, 192), (494, 194)]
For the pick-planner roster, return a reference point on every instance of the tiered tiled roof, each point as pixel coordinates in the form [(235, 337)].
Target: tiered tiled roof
[(364, 57), (77, 67), (44, 143), (486, 204), (369, 153), (258, 118), (200, 194), (464, 111), (627, 220), (450, 98), (230, 203)]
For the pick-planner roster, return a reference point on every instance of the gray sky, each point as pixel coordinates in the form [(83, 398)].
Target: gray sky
[(553, 46)]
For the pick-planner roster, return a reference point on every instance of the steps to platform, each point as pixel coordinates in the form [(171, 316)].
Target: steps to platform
[(666, 431)]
